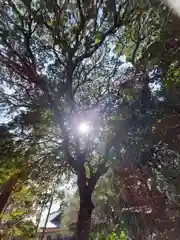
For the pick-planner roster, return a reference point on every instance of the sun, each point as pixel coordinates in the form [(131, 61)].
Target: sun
[(84, 127)]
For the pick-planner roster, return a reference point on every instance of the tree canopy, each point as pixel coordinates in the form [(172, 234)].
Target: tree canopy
[(91, 87)]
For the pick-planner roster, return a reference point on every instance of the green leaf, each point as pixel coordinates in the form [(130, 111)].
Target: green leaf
[(122, 235), (118, 48), (98, 37), (17, 213), (87, 171), (51, 23), (127, 52), (112, 236)]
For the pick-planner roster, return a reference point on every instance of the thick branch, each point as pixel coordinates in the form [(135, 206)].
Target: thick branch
[(103, 167), (88, 54)]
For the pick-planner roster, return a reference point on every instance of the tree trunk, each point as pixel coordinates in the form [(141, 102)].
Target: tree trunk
[(49, 211), (39, 216), (83, 226)]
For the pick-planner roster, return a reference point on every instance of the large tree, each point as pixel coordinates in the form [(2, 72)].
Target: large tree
[(57, 59)]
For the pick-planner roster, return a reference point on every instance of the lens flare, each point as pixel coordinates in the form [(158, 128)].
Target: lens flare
[(84, 127)]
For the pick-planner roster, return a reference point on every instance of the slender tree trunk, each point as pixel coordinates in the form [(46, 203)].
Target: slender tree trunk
[(49, 211), (84, 217), (40, 214)]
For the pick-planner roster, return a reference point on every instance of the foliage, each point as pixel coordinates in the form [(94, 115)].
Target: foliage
[(111, 236), (61, 61), (25, 229)]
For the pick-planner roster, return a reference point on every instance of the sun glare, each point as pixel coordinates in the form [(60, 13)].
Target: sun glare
[(84, 127)]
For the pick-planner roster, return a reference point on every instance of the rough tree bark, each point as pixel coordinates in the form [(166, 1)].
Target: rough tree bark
[(84, 217), (86, 207)]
